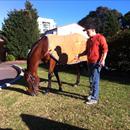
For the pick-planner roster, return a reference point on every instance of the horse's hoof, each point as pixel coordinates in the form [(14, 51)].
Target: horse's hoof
[(36, 93), (46, 91), (60, 89), (75, 85), (31, 94)]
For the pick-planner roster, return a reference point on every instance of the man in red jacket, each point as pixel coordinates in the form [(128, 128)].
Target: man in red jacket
[(96, 51)]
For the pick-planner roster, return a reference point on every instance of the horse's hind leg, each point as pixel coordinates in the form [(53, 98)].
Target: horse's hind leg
[(78, 75), (50, 73), (57, 77)]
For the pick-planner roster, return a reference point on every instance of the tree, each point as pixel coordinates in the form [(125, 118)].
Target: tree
[(127, 19), (111, 25), (119, 48), (106, 20), (21, 30)]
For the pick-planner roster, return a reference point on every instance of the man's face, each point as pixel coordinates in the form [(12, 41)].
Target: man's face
[(90, 32)]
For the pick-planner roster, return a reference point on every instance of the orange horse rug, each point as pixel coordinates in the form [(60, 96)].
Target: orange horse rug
[(65, 48)]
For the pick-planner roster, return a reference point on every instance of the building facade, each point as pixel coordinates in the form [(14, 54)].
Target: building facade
[(45, 24), (48, 26), (68, 29)]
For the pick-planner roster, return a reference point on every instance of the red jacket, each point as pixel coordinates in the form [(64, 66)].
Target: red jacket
[(96, 46)]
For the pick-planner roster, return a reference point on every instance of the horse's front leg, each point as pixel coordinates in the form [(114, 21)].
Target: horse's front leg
[(36, 84), (52, 64), (57, 77)]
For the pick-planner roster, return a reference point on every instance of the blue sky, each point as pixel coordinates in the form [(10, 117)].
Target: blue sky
[(63, 11)]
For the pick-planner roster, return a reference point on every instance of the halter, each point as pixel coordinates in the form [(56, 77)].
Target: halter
[(31, 80)]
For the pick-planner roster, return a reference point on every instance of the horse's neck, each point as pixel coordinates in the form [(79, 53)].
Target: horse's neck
[(33, 66), (36, 54)]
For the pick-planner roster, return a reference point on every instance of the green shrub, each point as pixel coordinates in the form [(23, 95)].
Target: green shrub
[(119, 51), (21, 30), (10, 57)]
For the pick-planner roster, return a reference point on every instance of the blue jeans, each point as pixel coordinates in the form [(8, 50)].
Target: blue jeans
[(94, 78)]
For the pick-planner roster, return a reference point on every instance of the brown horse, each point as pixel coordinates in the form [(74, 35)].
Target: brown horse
[(39, 52)]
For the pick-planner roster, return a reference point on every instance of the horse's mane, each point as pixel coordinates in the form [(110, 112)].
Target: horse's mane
[(36, 44)]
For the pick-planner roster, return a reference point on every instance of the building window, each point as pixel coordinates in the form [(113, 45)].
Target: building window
[(46, 26)]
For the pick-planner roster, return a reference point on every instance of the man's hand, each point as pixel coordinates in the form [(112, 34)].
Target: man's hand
[(102, 62), (76, 57)]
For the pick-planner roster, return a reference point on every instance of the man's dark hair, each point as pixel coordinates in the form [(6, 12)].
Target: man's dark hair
[(89, 26)]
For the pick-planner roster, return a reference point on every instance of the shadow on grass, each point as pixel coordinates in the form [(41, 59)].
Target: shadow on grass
[(16, 90), (116, 76), (68, 94), (38, 123), (20, 90), (42, 89), (6, 129), (65, 93), (55, 81), (6, 81)]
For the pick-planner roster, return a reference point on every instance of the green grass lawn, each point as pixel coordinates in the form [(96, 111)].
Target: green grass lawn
[(65, 110)]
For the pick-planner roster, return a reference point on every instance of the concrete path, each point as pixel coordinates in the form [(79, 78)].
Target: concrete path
[(10, 72)]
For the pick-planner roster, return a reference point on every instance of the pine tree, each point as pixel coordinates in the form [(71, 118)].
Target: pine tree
[(105, 19), (111, 25), (21, 30), (127, 19)]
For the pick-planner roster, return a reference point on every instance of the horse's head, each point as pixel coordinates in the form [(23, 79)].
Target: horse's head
[(32, 83)]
